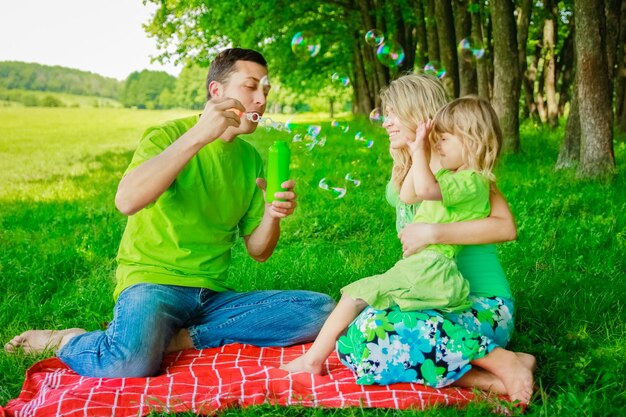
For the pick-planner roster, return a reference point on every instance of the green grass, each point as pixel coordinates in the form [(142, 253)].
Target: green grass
[(59, 233), (20, 98)]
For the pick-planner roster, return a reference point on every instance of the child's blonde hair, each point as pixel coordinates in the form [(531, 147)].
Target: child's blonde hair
[(413, 98), (475, 123)]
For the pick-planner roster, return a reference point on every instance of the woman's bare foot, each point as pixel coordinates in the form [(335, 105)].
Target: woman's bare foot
[(481, 379), (528, 360), (37, 341), (303, 364), (514, 369), (484, 380)]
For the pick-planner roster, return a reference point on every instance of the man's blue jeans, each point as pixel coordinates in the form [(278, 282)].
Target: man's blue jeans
[(147, 316)]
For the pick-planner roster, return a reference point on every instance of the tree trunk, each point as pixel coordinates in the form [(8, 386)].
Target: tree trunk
[(566, 68), (447, 46), (421, 54), (405, 36), (524, 12), (540, 101), (380, 77), (482, 71), (549, 63), (621, 73), (363, 99), (612, 15), (596, 147), (506, 74), (570, 148), (489, 46), (467, 62), (431, 30)]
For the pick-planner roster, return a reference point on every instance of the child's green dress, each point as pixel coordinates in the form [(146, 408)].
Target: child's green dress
[(430, 279)]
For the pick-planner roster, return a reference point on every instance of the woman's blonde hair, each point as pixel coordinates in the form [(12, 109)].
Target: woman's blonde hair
[(475, 123), (413, 98)]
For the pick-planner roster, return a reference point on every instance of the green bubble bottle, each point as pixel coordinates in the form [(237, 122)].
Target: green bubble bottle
[(277, 169)]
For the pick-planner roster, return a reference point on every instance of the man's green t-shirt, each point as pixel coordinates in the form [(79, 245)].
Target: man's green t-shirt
[(185, 237)]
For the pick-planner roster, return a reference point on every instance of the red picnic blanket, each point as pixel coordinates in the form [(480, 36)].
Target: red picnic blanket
[(209, 380)]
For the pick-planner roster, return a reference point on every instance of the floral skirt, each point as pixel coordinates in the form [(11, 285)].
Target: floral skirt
[(426, 347)]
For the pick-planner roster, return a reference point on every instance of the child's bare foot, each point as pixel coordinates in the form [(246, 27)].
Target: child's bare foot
[(303, 364), (37, 341)]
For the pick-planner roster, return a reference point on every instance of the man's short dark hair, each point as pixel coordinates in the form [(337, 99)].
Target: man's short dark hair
[(224, 64)]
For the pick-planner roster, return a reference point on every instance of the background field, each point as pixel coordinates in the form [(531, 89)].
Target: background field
[(59, 232)]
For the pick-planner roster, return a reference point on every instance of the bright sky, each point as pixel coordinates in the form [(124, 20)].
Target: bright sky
[(101, 36)]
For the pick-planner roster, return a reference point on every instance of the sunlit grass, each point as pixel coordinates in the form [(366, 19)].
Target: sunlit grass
[(59, 233)]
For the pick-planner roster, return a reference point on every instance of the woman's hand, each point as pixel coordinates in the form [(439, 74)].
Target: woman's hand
[(416, 236)]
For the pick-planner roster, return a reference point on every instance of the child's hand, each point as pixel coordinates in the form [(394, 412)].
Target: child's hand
[(421, 141)]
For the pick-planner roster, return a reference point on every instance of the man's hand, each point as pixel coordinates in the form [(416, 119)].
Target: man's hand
[(280, 209), (219, 114)]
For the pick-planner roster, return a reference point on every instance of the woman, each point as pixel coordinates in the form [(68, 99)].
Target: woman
[(431, 347)]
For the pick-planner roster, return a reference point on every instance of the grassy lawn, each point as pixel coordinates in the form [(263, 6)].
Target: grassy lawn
[(59, 232)]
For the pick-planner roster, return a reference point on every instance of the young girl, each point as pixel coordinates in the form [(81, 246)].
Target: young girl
[(467, 137)]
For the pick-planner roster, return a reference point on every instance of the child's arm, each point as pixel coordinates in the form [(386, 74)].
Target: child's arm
[(498, 227), (420, 183)]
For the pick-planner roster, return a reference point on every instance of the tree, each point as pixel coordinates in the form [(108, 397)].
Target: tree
[(190, 88), (463, 27), (524, 12), (143, 89), (594, 100), (506, 83), (549, 61), (447, 46)]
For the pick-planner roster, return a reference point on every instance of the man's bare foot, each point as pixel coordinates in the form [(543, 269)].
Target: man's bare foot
[(37, 341), (180, 341), (303, 364)]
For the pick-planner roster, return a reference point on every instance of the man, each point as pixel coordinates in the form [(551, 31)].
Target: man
[(191, 188)]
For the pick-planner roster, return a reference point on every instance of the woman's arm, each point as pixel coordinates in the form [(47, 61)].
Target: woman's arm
[(498, 227)]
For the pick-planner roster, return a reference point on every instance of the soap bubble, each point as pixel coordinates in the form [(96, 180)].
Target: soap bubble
[(374, 37), (354, 181), (376, 115), (469, 50), (330, 190), (305, 45), (265, 81), (435, 68), (340, 79), (314, 130), (366, 142), (390, 54), (343, 127)]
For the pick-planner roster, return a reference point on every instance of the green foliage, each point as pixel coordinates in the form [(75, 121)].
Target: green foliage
[(197, 31), (59, 232), (149, 90), (37, 77), (190, 89), (37, 98)]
